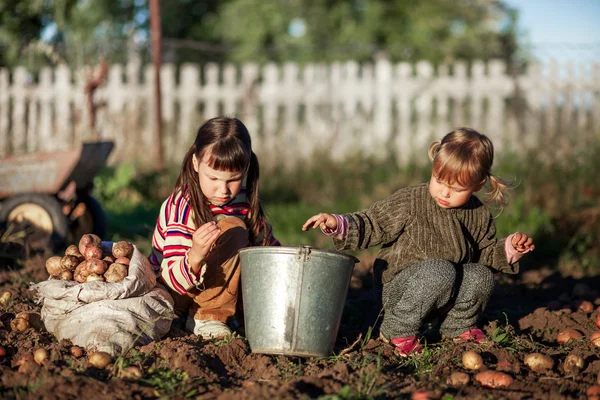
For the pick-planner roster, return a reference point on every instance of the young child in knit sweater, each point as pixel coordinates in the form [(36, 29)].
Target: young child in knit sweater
[(203, 224), (439, 244)]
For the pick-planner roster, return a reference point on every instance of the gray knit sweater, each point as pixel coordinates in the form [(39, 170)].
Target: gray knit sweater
[(413, 228)]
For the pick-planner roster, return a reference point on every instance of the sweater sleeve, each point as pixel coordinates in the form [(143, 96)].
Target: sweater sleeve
[(171, 243), (492, 251), (381, 223)]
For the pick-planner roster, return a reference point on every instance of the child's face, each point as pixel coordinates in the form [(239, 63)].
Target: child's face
[(219, 187), (449, 196)]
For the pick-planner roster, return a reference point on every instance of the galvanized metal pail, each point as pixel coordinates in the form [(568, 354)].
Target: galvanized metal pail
[(294, 298)]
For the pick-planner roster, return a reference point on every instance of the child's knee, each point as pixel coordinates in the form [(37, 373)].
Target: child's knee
[(479, 279), (439, 274)]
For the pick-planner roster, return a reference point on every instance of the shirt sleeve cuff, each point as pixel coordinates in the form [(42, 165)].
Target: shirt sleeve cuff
[(512, 254), (340, 231)]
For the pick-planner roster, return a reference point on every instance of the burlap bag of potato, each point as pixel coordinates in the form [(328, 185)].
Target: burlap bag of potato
[(110, 317)]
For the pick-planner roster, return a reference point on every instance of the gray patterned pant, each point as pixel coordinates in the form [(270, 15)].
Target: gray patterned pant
[(458, 292)]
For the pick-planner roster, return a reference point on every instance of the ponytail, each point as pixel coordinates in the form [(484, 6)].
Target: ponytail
[(499, 190), (434, 148), (256, 215)]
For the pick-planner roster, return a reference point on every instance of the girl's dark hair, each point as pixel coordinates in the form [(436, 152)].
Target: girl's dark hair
[(227, 142)]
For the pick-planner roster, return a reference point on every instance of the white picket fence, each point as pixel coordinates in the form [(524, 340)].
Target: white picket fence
[(294, 112)]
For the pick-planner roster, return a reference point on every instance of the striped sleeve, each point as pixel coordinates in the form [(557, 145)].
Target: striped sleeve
[(171, 243)]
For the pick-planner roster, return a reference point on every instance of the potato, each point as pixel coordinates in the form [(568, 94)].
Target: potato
[(568, 335), (593, 392), (40, 356), (493, 379), (96, 266), (458, 379), (92, 252), (65, 275), (122, 249), (538, 362), (595, 339), (53, 265), (471, 360), (99, 359), (89, 240), (597, 320), (5, 298), (81, 272), (108, 259), (69, 263), (94, 277), (21, 322), (585, 306), (131, 372), (116, 273), (76, 351), (73, 250), (2, 352), (123, 260), (573, 364)]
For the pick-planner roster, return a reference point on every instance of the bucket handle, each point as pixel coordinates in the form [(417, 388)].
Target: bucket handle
[(303, 253)]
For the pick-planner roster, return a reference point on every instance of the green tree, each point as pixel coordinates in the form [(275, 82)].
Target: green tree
[(302, 30)]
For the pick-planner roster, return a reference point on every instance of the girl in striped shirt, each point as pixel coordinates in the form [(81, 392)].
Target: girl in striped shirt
[(207, 219)]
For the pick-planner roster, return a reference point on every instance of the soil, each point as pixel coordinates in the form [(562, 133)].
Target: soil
[(524, 316)]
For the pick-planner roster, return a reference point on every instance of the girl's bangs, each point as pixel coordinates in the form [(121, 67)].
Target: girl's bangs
[(454, 172), (226, 156)]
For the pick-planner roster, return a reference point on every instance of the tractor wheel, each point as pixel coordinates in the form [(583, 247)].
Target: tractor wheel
[(40, 216), (87, 217)]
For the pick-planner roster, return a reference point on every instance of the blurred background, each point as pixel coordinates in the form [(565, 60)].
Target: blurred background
[(341, 97)]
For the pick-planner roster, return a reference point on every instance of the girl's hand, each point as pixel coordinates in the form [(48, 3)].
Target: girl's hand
[(327, 223), (522, 243), (202, 240)]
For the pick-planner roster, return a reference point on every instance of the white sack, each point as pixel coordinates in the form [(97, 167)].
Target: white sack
[(110, 317)]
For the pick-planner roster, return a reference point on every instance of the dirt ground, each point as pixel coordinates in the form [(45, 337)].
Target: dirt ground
[(524, 316)]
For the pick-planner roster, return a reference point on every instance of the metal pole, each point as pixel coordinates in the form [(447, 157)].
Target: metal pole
[(156, 61)]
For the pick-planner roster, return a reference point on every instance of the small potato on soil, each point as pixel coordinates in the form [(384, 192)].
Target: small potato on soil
[(53, 265), (123, 260), (597, 320), (40, 355), (5, 298), (538, 362), (573, 364), (116, 273), (122, 249), (493, 379), (595, 339), (458, 379), (92, 252), (99, 359), (593, 392), (471, 360), (21, 322), (89, 240), (131, 372), (568, 335), (76, 351), (585, 306), (69, 263)]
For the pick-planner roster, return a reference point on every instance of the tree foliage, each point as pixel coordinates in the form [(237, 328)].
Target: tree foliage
[(259, 30)]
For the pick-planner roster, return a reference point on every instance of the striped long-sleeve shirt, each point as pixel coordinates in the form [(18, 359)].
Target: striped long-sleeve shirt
[(172, 238)]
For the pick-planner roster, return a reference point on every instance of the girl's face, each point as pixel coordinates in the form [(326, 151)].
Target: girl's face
[(450, 196), (219, 187)]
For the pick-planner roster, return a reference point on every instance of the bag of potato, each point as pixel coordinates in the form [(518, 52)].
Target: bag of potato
[(107, 316)]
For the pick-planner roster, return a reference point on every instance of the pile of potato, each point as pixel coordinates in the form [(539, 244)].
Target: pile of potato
[(87, 262)]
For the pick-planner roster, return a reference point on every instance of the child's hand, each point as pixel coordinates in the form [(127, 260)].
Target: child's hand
[(522, 243), (202, 240), (327, 223)]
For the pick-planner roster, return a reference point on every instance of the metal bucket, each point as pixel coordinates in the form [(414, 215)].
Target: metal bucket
[(294, 298)]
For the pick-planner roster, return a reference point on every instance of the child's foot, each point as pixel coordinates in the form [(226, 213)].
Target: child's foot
[(208, 328), (405, 345), (473, 334)]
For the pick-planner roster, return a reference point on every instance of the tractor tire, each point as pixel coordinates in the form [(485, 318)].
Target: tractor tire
[(92, 220), (39, 215)]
